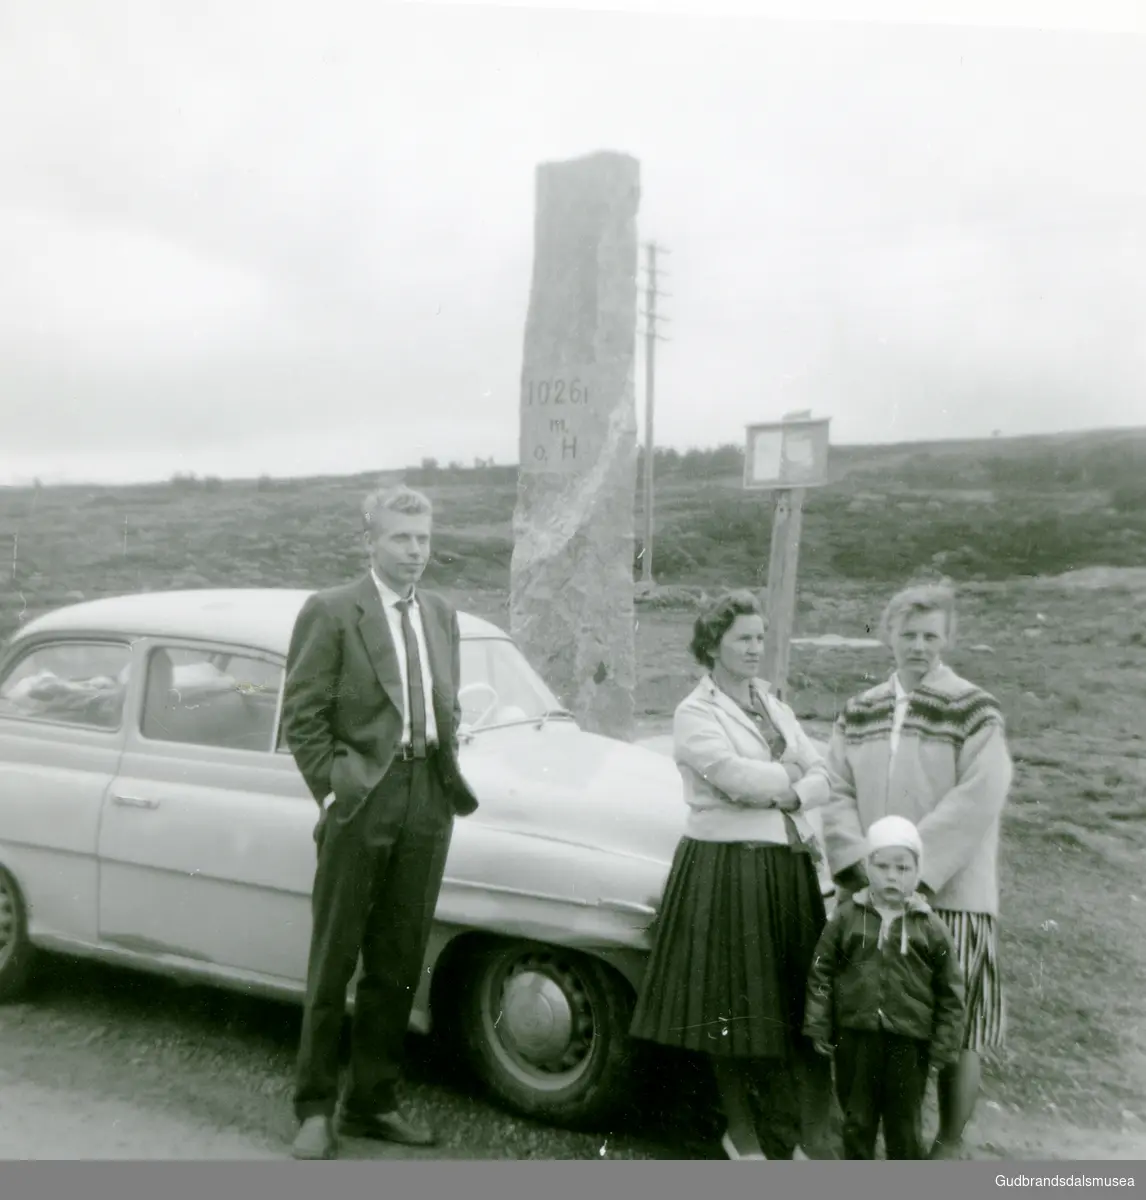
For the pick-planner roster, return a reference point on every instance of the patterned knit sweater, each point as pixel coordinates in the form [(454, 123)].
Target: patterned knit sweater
[(950, 775)]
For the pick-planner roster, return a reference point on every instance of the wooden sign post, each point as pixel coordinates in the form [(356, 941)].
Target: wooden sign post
[(785, 458)]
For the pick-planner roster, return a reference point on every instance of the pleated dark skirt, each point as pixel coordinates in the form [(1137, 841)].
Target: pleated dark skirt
[(732, 946)]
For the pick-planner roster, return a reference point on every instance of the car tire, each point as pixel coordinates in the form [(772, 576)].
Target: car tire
[(16, 952), (547, 1031)]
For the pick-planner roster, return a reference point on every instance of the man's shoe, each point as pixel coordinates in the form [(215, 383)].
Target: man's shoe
[(315, 1139), (386, 1127), (732, 1151)]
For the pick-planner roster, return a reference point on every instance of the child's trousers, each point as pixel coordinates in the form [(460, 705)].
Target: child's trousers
[(881, 1076)]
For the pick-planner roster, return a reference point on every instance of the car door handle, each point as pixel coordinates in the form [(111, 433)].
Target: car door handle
[(134, 802)]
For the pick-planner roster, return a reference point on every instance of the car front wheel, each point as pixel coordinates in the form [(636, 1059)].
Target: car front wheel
[(547, 1031), (15, 950)]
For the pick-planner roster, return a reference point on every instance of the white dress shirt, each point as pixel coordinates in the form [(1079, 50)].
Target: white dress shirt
[(390, 600)]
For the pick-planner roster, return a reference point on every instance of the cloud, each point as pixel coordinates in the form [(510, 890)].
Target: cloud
[(239, 231), (94, 294)]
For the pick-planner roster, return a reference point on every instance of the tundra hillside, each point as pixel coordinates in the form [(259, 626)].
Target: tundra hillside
[(1046, 538)]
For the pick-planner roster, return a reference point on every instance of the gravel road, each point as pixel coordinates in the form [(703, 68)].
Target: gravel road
[(61, 1123), (100, 1063)]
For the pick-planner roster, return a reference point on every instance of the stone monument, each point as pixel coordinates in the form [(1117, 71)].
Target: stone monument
[(571, 578)]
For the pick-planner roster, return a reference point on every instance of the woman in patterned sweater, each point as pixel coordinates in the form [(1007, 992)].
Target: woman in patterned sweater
[(931, 747)]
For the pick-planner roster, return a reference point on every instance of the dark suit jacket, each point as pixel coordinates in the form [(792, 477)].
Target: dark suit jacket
[(343, 702)]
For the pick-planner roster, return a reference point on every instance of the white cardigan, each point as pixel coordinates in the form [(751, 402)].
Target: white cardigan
[(730, 778)]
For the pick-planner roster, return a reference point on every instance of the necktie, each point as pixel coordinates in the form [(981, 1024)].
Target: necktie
[(415, 694)]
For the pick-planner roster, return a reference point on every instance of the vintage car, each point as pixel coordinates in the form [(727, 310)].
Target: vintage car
[(151, 816)]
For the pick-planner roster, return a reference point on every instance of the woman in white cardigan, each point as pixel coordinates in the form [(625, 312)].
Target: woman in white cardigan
[(742, 909)]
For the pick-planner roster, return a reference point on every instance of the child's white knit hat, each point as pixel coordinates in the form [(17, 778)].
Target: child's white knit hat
[(882, 835), (895, 831)]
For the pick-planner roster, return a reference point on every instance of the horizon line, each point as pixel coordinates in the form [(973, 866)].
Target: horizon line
[(916, 443)]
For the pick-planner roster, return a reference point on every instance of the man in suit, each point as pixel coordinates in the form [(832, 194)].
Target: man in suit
[(370, 713)]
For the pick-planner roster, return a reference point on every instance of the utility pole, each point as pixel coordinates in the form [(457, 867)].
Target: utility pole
[(652, 336)]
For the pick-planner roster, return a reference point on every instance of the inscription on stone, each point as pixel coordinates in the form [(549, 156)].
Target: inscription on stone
[(561, 430)]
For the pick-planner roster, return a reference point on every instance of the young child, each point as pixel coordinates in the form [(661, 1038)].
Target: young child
[(885, 994)]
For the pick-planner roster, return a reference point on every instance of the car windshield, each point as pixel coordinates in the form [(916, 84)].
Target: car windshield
[(499, 687)]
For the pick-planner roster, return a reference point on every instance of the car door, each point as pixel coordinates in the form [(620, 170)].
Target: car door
[(206, 849), (62, 717)]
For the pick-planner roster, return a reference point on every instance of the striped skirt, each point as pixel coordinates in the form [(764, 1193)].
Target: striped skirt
[(976, 938), (732, 946)]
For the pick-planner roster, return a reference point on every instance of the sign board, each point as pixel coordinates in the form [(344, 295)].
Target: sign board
[(787, 454), (564, 419)]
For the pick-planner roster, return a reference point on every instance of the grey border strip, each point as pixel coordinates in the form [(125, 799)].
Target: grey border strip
[(287, 1180)]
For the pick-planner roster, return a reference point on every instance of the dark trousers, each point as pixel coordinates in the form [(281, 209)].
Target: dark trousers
[(881, 1076), (790, 1101), (375, 890)]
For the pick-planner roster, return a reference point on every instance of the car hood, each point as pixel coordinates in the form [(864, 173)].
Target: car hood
[(563, 784)]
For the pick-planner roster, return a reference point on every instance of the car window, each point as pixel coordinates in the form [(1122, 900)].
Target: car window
[(210, 698), (498, 685), (72, 683)]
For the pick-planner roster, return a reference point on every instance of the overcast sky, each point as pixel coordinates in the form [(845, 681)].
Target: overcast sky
[(237, 239)]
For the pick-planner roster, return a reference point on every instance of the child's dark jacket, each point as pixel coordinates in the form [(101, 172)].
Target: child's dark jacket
[(911, 985)]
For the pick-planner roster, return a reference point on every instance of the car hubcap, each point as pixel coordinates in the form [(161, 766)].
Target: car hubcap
[(542, 1021), (7, 924)]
